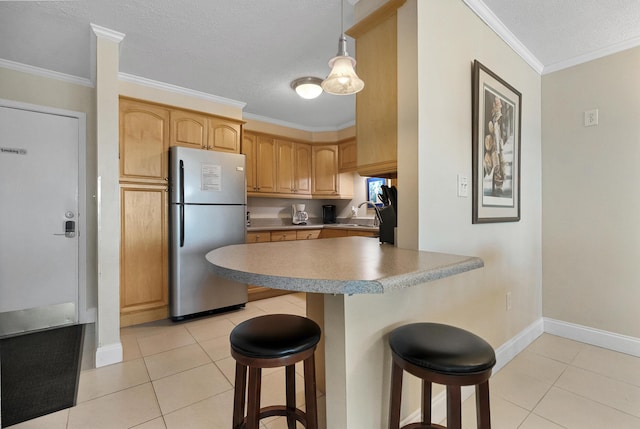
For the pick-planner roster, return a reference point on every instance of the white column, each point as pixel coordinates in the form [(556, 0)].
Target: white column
[(107, 43)]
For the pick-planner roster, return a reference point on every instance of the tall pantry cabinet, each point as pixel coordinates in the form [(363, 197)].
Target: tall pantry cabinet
[(147, 130), (144, 259)]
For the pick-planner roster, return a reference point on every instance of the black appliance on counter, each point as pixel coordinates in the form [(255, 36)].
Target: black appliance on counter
[(328, 214), (388, 214)]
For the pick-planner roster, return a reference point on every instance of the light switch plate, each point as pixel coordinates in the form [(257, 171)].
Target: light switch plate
[(463, 186)]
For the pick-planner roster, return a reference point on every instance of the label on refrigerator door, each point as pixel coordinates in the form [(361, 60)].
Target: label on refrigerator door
[(211, 177)]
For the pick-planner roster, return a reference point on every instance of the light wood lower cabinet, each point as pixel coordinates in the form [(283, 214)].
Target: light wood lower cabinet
[(143, 254)]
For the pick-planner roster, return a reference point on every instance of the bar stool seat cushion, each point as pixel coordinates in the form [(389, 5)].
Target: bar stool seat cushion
[(442, 348), (274, 336)]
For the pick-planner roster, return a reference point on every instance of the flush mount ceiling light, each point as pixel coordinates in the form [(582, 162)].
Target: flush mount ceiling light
[(307, 87), (343, 79)]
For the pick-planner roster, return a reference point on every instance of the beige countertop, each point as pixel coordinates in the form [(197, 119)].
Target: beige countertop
[(348, 265)]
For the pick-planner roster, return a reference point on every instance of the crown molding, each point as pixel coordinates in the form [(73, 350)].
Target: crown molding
[(180, 90), (580, 59), (297, 126), (484, 13), (50, 74)]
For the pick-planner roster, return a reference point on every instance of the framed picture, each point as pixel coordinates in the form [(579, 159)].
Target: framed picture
[(374, 187), (496, 120)]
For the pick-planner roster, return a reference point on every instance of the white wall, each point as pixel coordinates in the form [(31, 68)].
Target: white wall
[(591, 204)]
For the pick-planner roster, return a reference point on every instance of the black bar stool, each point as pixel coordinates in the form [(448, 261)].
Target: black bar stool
[(272, 341), (445, 355)]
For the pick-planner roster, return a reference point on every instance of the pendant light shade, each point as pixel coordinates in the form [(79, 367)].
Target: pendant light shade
[(343, 79)]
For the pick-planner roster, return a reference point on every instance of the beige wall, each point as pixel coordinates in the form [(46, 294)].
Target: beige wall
[(511, 251), (591, 204)]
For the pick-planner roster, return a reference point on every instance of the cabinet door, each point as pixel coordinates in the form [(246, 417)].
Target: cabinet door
[(223, 135), (302, 170), (144, 142), (188, 129), (266, 164), (285, 183), (348, 156), (249, 145), (325, 170), (377, 106), (333, 233), (143, 248)]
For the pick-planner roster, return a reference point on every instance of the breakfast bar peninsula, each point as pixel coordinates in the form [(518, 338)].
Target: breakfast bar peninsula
[(363, 290)]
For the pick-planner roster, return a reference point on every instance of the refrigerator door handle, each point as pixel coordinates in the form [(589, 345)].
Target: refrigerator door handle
[(181, 225), (181, 202)]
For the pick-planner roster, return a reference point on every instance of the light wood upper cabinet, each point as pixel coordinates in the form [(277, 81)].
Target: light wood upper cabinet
[(144, 142), (188, 129), (377, 104), (302, 160), (223, 135), (248, 148), (325, 170), (261, 163), (143, 251), (326, 181), (293, 168), (348, 155)]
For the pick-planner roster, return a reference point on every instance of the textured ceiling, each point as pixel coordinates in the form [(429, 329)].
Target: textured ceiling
[(559, 32), (250, 50)]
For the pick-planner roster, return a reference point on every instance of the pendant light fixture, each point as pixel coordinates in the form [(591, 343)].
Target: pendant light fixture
[(343, 79)]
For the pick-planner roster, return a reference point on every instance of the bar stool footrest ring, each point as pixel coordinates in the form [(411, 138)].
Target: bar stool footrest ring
[(279, 410)]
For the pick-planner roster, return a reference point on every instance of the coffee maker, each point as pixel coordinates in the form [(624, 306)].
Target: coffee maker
[(328, 214), (298, 215)]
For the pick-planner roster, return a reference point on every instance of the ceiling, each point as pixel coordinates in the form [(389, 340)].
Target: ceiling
[(250, 50)]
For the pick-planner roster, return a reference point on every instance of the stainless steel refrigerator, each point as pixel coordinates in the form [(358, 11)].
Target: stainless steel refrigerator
[(207, 210)]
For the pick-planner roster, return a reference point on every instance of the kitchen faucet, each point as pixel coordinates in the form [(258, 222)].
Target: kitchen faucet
[(378, 218)]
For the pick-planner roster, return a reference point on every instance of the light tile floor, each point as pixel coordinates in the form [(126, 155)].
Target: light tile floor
[(180, 375)]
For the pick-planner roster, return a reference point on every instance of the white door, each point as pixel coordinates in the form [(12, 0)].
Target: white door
[(38, 214)]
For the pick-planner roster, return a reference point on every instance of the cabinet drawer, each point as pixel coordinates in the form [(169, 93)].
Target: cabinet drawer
[(283, 235), (258, 237), (308, 234)]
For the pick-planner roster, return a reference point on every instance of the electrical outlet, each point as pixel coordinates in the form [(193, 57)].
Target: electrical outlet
[(591, 118), (463, 186), (508, 301)]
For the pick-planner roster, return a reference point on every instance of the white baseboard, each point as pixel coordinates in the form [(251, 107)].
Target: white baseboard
[(504, 354), (107, 355), (593, 336)]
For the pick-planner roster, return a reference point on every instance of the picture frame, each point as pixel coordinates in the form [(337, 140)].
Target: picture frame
[(496, 123), (373, 188)]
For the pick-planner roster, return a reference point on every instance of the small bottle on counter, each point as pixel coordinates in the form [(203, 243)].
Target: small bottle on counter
[(248, 219)]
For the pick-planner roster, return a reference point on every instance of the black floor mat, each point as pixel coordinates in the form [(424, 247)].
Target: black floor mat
[(39, 372)]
